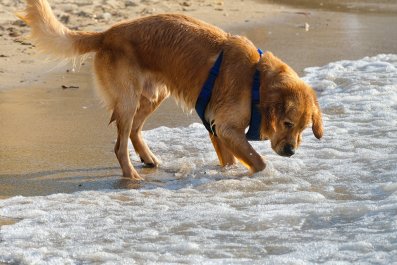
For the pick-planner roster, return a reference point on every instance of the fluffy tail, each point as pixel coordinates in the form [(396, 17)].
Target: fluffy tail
[(52, 37)]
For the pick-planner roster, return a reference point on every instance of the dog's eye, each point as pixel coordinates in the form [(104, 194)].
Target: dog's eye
[(288, 124)]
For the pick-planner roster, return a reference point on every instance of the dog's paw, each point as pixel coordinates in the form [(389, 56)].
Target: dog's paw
[(149, 165), (152, 163)]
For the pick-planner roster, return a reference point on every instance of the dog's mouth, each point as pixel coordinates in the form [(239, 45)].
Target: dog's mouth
[(287, 150), (284, 154)]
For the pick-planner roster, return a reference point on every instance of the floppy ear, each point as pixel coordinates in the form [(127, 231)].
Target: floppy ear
[(269, 113), (317, 125), (268, 123)]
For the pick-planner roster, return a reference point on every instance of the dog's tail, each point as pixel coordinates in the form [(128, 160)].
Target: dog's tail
[(52, 37)]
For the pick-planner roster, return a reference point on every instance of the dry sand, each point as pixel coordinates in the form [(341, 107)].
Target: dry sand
[(53, 132)]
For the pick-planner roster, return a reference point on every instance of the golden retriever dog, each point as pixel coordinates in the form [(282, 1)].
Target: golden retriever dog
[(138, 63)]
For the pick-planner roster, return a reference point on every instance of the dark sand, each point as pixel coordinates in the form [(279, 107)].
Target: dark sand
[(57, 140)]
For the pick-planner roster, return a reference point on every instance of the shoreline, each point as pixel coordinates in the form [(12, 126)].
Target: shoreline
[(57, 140)]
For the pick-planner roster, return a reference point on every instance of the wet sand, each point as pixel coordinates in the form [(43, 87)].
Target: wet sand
[(57, 140)]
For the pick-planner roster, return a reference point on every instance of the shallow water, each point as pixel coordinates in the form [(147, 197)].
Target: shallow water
[(334, 202)]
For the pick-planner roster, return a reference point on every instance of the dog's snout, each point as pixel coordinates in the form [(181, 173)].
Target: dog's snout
[(289, 150)]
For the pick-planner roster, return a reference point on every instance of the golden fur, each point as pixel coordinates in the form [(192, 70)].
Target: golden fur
[(139, 63)]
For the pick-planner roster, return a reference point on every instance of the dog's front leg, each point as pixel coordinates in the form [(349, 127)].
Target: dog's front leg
[(234, 139), (226, 158)]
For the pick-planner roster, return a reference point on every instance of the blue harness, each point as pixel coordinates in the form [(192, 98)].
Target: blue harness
[(204, 97)]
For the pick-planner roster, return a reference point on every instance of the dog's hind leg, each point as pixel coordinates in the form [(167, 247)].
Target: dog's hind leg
[(124, 117), (146, 107), (120, 84)]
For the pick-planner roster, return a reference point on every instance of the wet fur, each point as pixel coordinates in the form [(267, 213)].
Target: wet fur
[(139, 63)]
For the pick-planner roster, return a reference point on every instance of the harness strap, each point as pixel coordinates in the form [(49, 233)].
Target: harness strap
[(204, 97), (205, 94), (254, 130)]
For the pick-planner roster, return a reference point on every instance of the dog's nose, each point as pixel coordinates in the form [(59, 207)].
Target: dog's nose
[(289, 150)]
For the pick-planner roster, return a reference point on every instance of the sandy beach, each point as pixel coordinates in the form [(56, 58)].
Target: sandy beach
[(53, 131)]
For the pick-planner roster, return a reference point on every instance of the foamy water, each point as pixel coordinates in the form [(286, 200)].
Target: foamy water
[(334, 202)]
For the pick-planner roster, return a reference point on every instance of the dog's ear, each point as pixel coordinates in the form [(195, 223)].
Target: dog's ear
[(268, 122), (317, 123), (270, 113)]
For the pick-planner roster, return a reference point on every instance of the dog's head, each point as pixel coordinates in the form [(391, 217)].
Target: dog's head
[(288, 106)]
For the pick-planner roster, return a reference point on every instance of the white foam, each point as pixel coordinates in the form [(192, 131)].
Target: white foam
[(335, 201)]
